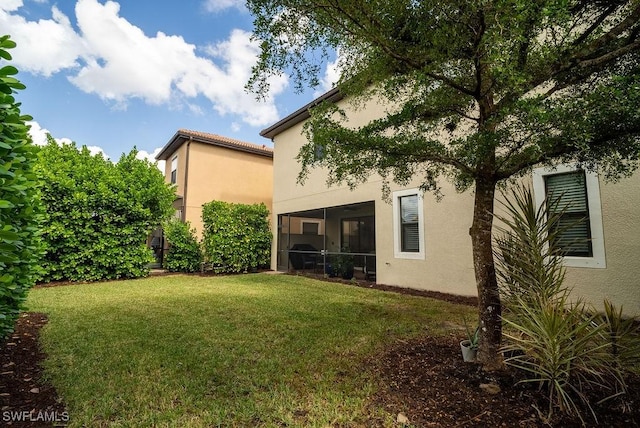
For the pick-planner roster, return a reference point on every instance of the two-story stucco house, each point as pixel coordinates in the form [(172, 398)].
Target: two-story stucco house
[(207, 167), (414, 241)]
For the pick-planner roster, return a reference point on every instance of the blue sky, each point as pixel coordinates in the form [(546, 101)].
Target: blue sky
[(114, 74)]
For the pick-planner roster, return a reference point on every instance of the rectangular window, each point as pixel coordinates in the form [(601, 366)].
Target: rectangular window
[(174, 170), (359, 234), (577, 193), (408, 224), (318, 152), (310, 228), (567, 194), (409, 228)]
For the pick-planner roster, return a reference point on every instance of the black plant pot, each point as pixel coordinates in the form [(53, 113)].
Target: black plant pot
[(348, 273)]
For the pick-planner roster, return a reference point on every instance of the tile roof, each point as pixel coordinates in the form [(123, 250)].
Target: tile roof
[(217, 140)]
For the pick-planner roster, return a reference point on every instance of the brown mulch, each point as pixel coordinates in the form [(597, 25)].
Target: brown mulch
[(424, 380), (27, 400), (451, 298)]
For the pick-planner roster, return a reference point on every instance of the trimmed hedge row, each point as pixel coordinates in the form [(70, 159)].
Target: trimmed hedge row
[(184, 253), (98, 214), (19, 204), (236, 237)]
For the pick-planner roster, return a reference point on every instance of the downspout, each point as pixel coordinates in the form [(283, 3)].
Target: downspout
[(324, 240), (288, 241), (186, 180)]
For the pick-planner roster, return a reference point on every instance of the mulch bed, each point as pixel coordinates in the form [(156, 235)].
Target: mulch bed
[(423, 380), (426, 381), (451, 298), (25, 399)]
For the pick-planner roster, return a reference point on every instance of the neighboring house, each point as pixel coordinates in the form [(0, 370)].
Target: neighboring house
[(207, 167), (414, 241)]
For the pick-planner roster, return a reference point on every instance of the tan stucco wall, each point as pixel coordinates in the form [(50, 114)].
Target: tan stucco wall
[(182, 159), (620, 280), (217, 173), (448, 266)]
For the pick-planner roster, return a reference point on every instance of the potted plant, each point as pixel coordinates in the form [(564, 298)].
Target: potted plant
[(469, 346), (343, 264)]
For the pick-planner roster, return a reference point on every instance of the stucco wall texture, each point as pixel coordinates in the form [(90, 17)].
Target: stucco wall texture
[(219, 173), (447, 266)]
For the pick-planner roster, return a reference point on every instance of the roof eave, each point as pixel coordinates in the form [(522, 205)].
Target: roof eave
[(333, 95), (170, 147), (180, 137)]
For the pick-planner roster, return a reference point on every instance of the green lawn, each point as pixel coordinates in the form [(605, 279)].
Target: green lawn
[(247, 350)]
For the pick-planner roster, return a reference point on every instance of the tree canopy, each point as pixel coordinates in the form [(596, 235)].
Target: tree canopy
[(476, 91)]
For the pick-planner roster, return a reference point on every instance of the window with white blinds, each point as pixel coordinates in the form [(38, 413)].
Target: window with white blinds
[(581, 232), (409, 228), (568, 194), (408, 224)]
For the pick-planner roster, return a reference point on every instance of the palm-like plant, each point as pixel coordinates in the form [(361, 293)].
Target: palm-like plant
[(562, 345), (528, 264)]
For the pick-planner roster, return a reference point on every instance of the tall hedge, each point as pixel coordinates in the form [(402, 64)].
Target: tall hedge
[(236, 236), (19, 249), (98, 214), (184, 253)]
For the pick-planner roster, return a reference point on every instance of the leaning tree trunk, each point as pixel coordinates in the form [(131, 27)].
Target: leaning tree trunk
[(489, 307)]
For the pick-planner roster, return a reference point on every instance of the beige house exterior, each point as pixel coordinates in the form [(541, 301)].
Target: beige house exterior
[(207, 167), (426, 245)]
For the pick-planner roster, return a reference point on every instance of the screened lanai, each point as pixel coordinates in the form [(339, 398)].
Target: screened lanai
[(321, 240)]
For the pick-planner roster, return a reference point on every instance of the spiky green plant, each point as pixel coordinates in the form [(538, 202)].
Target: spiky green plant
[(557, 344), (528, 264), (562, 345), (623, 337)]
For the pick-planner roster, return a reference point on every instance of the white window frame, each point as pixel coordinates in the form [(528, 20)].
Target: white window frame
[(598, 259), (174, 167), (397, 226)]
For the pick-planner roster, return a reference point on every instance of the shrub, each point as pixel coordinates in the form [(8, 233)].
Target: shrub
[(19, 205), (622, 336), (236, 236), (564, 346), (98, 214), (184, 253), (528, 264)]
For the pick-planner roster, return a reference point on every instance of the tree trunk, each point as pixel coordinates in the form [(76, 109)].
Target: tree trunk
[(489, 306)]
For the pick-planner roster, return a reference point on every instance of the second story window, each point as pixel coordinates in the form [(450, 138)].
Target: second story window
[(174, 170)]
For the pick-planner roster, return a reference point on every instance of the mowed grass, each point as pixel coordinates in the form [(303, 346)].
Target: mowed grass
[(247, 350)]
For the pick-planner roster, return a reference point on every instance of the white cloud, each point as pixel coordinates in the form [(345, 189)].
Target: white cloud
[(10, 5), (39, 135), (114, 59), (123, 62), (218, 5), (225, 86), (331, 76), (44, 47), (94, 150), (151, 157)]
